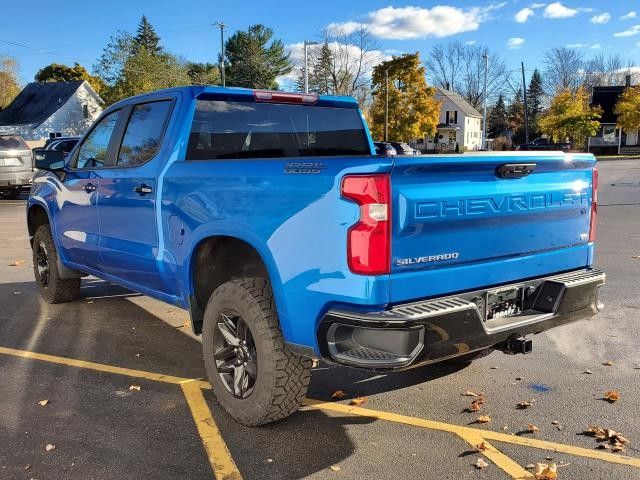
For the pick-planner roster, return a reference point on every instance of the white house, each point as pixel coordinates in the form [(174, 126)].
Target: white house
[(460, 125), (47, 109)]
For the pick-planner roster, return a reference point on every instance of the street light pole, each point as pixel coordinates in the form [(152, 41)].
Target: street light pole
[(306, 64), (222, 27), (485, 56), (386, 104)]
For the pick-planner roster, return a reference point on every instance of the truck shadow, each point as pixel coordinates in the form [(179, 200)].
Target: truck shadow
[(105, 326)]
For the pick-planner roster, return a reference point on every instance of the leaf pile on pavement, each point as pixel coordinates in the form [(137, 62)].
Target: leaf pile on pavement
[(610, 439), (480, 464), (612, 396), (543, 471)]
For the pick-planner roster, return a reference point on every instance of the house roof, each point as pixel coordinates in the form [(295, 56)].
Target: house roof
[(39, 100), (606, 98), (460, 102)]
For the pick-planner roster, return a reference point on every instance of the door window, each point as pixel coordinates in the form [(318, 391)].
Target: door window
[(93, 151), (143, 135)]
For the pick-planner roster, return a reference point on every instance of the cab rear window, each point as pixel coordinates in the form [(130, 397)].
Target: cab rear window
[(225, 129)]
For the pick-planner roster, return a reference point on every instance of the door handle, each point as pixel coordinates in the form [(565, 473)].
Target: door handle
[(515, 170), (89, 187), (143, 189)]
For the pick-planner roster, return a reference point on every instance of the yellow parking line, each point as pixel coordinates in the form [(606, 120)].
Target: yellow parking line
[(510, 467), (219, 456), (486, 434), (100, 367)]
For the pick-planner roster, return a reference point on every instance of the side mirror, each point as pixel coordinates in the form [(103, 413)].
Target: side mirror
[(51, 160)]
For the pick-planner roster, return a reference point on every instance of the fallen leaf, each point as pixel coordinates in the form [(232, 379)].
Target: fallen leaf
[(530, 466), (476, 404), (523, 404), (469, 393), (483, 419), (555, 422), (17, 263), (27, 466), (49, 447), (621, 439), (43, 402), (17, 293), (358, 401), (608, 363), (480, 464), (532, 428), (612, 396), (519, 378), (134, 387), (588, 372), (269, 460), (335, 468), (635, 256), (481, 447), (338, 394), (546, 472)]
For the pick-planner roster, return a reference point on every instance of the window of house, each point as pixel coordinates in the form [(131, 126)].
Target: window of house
[(93, 151), (143, 135), (609, 132)]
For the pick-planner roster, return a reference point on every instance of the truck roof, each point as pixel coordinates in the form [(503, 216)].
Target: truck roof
[(204, 91)]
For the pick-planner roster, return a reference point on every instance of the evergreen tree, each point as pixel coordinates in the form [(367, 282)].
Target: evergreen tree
[(535, 98), (252, 62), (321, 67), (146, 37), (515, 118), (498, 118), (203, 73)]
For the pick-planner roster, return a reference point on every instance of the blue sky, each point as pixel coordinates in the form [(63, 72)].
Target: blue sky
[(516, 29)]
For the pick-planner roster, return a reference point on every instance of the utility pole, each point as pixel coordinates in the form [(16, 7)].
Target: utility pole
[(306, 64), (222, 27), (386, 104), (526, 109), (485, 56)]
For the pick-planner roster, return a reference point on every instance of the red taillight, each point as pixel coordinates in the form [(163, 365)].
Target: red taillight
[(282, 97), (594, 205), (369, 240)]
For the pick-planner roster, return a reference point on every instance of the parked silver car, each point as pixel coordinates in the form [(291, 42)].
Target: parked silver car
[(15, 165)]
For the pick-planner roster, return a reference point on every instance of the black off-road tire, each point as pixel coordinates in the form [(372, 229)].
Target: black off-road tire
[(9, 193), (53, 289), (282, 377)]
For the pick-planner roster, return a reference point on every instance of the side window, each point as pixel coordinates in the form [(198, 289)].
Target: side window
[(144, 133), (93, 152)]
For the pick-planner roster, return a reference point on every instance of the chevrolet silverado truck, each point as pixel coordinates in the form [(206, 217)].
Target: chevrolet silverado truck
[(268, 216)]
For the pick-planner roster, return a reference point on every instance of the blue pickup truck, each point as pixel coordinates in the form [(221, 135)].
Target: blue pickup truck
[(269, 218)]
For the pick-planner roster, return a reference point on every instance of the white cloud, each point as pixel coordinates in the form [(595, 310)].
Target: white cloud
[(403, 23), (630, 32), (470, 42), (538, 5), (296, 55), (632, 14), (577, 45), (595, 46), (557, 10), (523, 15), (601, 18), (515, 42)]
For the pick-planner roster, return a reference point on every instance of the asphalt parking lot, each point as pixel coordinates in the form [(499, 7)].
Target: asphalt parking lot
[(128, 398)]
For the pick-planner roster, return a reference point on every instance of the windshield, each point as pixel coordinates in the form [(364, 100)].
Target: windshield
[(12, 142), (228, 129)]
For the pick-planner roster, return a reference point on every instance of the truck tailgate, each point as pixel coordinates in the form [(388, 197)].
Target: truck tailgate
[(454, 211)]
